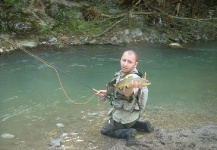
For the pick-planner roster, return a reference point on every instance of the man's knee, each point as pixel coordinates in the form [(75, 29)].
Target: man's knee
[(104, 131), (108, 127)]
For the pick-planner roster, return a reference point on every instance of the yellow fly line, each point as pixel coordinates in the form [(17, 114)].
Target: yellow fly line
[(56, 70)]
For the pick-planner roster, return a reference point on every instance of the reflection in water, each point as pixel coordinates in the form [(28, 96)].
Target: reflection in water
[(182, 94)]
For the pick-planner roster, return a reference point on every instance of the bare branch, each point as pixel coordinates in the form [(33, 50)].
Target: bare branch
[(199, 20), (109, 28)]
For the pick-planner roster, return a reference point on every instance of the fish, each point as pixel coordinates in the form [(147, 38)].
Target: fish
[(128, 80)]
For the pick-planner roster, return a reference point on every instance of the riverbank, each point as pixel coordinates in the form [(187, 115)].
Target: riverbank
[(199, 137)]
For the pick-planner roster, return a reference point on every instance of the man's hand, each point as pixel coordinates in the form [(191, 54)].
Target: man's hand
[(135, 84), (101, 93), (128, 91)]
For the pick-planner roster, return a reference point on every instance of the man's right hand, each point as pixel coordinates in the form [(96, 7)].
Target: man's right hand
[(101, 93)]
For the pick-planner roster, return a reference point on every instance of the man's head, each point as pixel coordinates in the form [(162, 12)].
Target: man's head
[(128, 61)]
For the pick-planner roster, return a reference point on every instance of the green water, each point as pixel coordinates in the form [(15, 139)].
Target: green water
[(182, 93)]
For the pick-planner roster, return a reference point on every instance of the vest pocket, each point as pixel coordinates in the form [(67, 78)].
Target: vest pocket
[(117, 103), (123, 104), (129, 106)]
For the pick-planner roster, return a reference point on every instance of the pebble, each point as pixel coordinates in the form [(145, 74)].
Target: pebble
[(7, 136), (60, 125), (64, 135), (55, 143), (52, 40), (175, 45)]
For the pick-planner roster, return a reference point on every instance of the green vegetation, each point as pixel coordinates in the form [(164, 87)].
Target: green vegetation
[(9, 2), (70, 23), (45, 29), (102, 18), (79, 27)]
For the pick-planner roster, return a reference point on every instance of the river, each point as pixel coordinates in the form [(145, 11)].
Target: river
[(34, 108)]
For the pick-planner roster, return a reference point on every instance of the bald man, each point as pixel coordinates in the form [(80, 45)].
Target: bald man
[(128, 103)]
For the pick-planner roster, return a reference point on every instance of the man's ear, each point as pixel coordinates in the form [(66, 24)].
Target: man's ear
[(136, 64)]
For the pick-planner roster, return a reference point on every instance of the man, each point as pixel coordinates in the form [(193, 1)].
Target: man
[(128, 103)]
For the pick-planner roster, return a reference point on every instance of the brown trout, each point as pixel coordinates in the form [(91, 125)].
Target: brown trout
[(127, 81)]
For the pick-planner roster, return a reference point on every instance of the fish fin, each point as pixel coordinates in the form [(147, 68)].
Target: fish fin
[(145, 75)]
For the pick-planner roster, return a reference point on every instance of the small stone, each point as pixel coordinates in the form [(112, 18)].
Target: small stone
[(92, 42), (52, 40), (55, 143), (175, 45), (64, 135), (79, 140), (60, 125), (7, 136)]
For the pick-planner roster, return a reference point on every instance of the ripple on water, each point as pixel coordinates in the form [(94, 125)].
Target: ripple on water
[(12, 112)]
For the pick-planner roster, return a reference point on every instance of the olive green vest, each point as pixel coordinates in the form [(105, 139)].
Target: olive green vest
[(117, 98)]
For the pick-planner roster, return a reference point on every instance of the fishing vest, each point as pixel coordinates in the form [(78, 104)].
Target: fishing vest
[(118, 100)]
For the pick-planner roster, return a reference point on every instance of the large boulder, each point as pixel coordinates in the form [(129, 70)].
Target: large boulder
[(18, 24)]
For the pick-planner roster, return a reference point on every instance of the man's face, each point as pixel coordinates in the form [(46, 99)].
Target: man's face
[(128, 62)]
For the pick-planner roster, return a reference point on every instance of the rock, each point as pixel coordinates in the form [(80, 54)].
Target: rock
[(93, 42), (64, 135), (7, 136), (92, 114), (26, 43), (60, 125), (136, 33), (126, 31), (52, 40), (64, 38), (127, 40), (113, 39), (55, 143), (174, 45)]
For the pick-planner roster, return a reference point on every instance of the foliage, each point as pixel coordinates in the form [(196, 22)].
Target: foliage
[(9, 2), (71, 22), (45, 29), (81, 27)]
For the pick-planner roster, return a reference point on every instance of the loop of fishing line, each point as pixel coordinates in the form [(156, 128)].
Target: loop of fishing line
[(56, 71)]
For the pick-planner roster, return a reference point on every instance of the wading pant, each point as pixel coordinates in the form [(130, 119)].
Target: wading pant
[(145, 125), (117, 130)]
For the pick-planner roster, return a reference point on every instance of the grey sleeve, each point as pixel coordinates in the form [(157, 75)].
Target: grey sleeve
[(142, 99)]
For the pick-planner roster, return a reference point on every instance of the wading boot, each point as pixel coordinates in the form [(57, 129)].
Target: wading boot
[(131, 140), (145, 125)]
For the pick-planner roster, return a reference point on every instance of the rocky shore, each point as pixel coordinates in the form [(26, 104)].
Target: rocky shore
[(201, 138)]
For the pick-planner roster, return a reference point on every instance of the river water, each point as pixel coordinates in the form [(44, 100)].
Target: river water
[(34, 108)]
